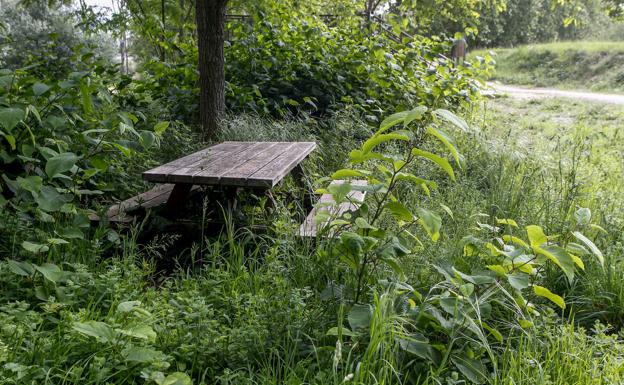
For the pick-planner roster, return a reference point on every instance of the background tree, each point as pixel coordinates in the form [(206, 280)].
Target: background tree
[(210, 15)]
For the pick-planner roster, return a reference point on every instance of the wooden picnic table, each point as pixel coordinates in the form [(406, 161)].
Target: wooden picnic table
[(230, 166)]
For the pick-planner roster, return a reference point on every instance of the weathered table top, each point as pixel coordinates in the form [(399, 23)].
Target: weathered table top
[(254, 164)]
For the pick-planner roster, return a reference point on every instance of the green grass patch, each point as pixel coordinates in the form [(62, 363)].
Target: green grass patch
[(588, 65)]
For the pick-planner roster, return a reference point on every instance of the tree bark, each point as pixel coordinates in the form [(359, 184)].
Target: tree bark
[(210, 35)]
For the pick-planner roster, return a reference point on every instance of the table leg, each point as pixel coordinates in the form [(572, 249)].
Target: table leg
[(309, 198), (176, 200)]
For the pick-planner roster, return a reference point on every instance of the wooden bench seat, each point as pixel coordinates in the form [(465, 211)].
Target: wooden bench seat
[(122, 212), (309, 227)]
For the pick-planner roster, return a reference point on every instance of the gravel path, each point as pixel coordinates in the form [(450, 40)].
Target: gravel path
[(540, 93)]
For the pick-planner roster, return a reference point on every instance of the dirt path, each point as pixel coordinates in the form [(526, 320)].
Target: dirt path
[(540, 93)]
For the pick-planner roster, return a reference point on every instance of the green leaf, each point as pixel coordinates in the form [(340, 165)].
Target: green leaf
[(508, 222), (443, 163), (594, 249), (400, 211), (414, 114), (518, 281), (57, 241), (31, 183), (11, 140), (60, 163), (359, 317), (147, 138), (143, 355), (452, 118), (431, 222), (10, 117), (376, 140), (177, 378), (34, 247), (352, 242), (446, 140), (127, 306), (472, 368), (50, 271), (100, 330), (420, 347), (560, 257), (85, 94), (554, 298), (392, 121), (40, 89), (24, 269), (161, 127), (347, 173), (536, 236), (144, 332), (50, 200), (583, 216)]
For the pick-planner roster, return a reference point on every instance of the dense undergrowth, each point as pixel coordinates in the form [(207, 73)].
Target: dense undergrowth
[(479, 256), (595, 66)]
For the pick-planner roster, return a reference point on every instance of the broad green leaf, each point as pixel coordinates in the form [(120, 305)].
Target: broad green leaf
[(536, 235), (40, 89), (60, 163), (518, 281), (578, 261), (11, 140), (57, 241), (594, 249), (50, 200), (399, 211), (446, 140), (472, 368), (161, 127), (575, 248), (414, 114), (24, 269), (345, 332), (452, 118), (177, 378), (147, 138), (359, 317), (347, 173), (100, 330), (10, 117), (443, 163), (509, 222), (431, 222), (376, 140), (144, 332), (35, 247), (420, 347), (352, 242), (50, 271), (498, 269), (583, 216), (85, 94), (31, 183), (511, 239), (554, 298), (127, 306), (560, 257), (392, 121), (143, 355)]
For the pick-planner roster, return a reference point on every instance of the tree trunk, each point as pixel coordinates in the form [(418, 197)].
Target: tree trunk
[(210, 34)]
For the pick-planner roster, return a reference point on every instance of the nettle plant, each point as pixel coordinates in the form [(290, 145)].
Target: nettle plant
[(59, 140), (449, 329)]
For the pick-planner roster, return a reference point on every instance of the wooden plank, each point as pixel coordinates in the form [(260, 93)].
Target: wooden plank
[(278, 168), (259, 153), (185, 174), (240, 176), (147, 199), (161, 173), (309, 227)]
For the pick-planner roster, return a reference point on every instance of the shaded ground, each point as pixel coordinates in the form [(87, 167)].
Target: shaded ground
[(549, 93)]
